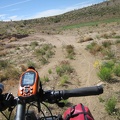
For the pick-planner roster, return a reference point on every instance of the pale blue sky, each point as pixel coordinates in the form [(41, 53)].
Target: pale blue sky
[(29, 9)]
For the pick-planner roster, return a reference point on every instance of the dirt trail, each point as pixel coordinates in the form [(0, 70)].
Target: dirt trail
[(83, 65)]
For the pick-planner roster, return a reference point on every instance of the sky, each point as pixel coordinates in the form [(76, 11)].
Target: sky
[(30, 9)]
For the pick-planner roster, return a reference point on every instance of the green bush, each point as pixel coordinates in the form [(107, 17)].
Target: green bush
[(44, 60), (64, 79), (40, 52), (106, 43), (70, 51), (91, 46), (50, 71), (109, 64), (110, 105), (116, 70), (49, 54), (94, 48), (105, 74), (45, 79), (63, 69), (34, 44)]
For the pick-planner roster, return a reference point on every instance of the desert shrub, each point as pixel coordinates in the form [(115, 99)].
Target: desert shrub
[(116, 70), (40, 52), (64, 68), (94, 48), (106, 43), (45, 79), (109, 54), (91, 45), (44, 60), (47, 47), (108, 64), (110, 105), (105, 74), (70, 51), (50, 71), (64, 79), (34, 44), (49, 54)]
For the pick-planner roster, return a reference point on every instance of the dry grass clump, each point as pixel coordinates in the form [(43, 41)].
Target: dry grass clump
[(70, 51), (106, 35), (106, 43), (64, 68), (94, 48)]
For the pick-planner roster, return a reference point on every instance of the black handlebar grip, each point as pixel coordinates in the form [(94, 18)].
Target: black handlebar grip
[(85, 91)]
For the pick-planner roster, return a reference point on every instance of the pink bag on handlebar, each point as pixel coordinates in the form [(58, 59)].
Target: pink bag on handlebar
[(78, 112)]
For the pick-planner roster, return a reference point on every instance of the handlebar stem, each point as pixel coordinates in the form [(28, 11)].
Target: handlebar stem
[(20, 111)]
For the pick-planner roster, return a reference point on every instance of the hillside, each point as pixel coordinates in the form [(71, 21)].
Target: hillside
[(89, 52), (109, 10)]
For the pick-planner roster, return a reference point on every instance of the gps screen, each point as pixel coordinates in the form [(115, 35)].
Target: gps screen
[(28, 78)]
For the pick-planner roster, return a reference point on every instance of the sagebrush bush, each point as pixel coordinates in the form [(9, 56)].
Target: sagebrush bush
[(110, 105), (105, 74), (110, 54), (44, 60), (64, 79), (70, 51), (64, 69), (50, 71), (34, 44), (116, 70), (108, 64), (94, 48), (106, 43), (45, 79)]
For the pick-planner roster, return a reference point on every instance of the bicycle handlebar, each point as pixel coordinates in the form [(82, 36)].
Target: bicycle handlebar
[(54, 96)]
